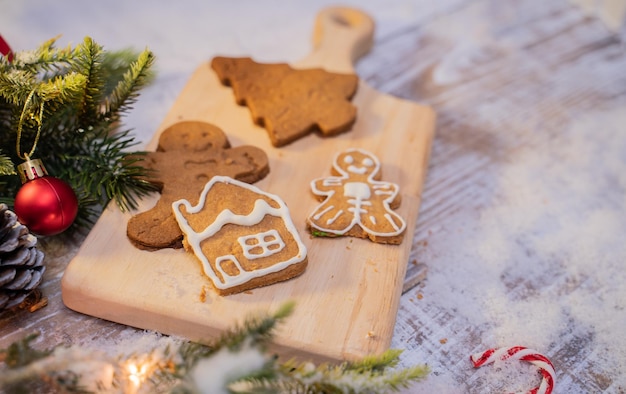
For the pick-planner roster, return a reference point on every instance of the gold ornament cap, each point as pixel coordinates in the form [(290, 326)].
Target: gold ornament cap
[(31, 169)]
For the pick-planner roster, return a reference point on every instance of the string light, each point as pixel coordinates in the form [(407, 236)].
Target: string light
[(137, 374)]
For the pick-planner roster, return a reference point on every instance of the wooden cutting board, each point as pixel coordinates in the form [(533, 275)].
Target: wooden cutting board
[(347, 300)]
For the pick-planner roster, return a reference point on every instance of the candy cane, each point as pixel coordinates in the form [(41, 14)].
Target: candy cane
[(520, 353)]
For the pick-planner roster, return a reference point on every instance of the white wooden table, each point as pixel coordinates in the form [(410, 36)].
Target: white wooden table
[(523, 216)]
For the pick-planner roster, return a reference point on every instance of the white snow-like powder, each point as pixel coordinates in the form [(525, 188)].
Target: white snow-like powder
[(544, 265), (212, 375)]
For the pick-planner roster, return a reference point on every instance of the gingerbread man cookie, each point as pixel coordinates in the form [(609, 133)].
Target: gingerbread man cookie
[(290, 103), (356, 203), (189, 154)]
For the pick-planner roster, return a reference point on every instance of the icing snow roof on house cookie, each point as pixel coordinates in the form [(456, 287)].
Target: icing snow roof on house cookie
[(243, 236)]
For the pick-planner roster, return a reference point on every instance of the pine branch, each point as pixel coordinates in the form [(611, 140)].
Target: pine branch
[(388, 359), (243, 368), (15, 86), (6, 165), (254, 333), (21, 353), (125, 93), (87, 61), (115, 65), (60, 90), (108, 173), (401, 379), (370, 375), (84, 91), (46, 58), (258, 329)]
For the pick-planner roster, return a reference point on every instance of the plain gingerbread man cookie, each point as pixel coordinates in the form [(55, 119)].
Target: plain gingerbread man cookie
[(290, 103), (188, 156)]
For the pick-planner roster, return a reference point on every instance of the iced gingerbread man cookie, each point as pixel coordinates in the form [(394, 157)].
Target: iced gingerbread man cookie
[(243, 236), (355, 202)]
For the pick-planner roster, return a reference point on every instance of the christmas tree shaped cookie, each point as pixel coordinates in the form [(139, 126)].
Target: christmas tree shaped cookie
[(189, 154), (243, 236), (356, 202), (290, 103)]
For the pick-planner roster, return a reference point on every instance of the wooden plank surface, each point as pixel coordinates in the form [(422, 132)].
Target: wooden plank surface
[(348, 296), (523, 213)]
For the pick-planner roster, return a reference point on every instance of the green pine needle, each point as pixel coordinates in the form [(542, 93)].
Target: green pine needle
[(15, 86), (318, 233), (259, 329), (256, 329), (401, 379), (125, 93), (6, 165), (121, 180), (87, 61), (21, 353), (373, 374), (388, 359), (177, 371), (61, 89)]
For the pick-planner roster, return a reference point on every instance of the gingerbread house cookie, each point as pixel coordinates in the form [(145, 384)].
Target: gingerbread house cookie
[(355, 202), (243, 236)]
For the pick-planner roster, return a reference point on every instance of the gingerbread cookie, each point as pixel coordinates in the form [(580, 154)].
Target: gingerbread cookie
[(243, 236), (356, 203), (188, 155), (290, 103)]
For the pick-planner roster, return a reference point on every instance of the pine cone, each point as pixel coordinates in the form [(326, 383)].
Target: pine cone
[(21, 263)]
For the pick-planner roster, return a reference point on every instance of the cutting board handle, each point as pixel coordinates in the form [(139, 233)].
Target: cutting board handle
[(341, 36)]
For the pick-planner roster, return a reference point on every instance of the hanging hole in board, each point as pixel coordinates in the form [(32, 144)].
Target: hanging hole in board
[(341, 20)]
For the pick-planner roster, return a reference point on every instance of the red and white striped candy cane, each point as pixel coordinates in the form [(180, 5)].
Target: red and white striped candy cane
[(520, 353)]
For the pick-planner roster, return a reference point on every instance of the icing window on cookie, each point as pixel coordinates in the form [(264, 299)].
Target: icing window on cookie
[(262, 244)]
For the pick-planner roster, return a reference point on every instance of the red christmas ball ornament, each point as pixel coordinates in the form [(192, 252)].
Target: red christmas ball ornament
[(44, 204)]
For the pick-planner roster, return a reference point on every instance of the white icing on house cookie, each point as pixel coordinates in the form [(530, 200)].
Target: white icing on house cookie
[(356, 203), (240, 233)]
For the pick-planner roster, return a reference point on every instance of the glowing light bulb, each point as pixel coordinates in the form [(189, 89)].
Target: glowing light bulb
[(137, 373)]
